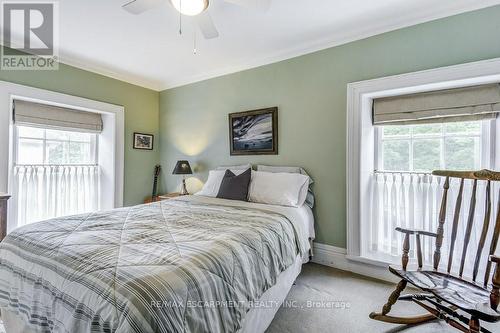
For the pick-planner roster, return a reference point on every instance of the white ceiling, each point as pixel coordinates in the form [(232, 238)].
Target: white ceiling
[(147, 49)]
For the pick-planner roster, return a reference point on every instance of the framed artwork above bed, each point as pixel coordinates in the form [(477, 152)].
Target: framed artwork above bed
[(254, 132)]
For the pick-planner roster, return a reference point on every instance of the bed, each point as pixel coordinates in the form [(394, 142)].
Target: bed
[(191, 264)]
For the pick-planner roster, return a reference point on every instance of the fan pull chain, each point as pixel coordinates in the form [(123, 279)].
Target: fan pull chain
[(180, 17), (194, 46)]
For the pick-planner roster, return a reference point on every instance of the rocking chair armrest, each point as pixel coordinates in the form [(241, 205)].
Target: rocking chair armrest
[(495, 259), (416, 232), (406, 245), (495, 281)]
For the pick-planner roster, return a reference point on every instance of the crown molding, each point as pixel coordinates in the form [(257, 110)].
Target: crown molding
[(327, 43), (113, 74), (100, 70), (306, 48)]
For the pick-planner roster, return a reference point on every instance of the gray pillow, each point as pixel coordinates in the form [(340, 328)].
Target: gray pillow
[(235, 187)]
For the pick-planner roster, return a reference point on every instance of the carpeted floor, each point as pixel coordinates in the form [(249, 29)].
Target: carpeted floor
[(324, 299), (329, 287)]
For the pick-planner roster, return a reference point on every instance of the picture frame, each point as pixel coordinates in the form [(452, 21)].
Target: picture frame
[(143, 141), (254, 132)]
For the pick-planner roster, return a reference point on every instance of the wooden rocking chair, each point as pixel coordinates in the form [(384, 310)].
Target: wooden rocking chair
[(444, 294)]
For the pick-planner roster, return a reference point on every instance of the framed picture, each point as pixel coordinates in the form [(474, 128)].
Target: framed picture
[(254, 132), (143, 141)]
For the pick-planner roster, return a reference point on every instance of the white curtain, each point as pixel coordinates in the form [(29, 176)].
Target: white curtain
[(413, 201), (43, 192)]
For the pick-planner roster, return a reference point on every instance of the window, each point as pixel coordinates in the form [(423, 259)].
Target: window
[(403, 193), (427, 147), (392, 146), (25, 106), (56, 173), (38, 146)]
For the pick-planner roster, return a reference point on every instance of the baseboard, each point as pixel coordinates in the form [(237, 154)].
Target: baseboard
[(329, 255), (336, 257)]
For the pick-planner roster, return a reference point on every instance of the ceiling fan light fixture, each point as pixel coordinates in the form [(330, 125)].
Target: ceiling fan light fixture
[(190, 7)]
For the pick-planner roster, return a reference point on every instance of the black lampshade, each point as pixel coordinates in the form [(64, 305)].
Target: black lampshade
[(182, 168)]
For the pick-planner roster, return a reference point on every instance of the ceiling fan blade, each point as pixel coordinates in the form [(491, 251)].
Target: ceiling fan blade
[(140, 6), (260, 5), (207, 25)]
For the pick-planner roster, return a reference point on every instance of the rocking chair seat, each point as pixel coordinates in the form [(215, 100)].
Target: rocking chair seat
[(465, 295)]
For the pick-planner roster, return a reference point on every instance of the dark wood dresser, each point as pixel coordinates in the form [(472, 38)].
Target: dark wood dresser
[(3, 215)]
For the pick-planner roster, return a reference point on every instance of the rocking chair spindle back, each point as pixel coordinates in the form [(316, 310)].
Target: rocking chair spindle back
[(444, 292)]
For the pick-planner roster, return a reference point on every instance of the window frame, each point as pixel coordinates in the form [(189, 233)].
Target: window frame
[(360, 145), (486, 137), (94, 147), (112, 139)]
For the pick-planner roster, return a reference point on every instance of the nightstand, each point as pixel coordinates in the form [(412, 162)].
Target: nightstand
[(3, 215), (168, 196), (162, 197)]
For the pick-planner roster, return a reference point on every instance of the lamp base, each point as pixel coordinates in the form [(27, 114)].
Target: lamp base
[(184, 190)]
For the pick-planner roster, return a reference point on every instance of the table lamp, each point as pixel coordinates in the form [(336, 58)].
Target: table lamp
[(183, 168)]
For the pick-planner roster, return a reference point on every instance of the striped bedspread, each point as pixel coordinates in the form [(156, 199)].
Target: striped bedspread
[(170, 266)]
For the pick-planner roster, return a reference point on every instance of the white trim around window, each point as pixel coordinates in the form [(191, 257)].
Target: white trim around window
[(360, 131), (113, 136)]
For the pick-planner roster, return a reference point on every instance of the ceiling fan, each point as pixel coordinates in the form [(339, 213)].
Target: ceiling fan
[(197, 8)]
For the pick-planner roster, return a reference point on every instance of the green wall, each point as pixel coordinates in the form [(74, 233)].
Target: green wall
[(310, 92), (141, 115)]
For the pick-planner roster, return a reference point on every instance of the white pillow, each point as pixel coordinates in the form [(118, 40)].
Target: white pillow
[(287, 169), (235, 167), (211, 187), (283, 189), (278, 169)]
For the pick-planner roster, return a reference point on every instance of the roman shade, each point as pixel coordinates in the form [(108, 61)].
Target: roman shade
[(460, 104), (49, 116)]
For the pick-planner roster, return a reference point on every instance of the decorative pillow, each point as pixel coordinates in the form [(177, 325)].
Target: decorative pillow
[(211, 187), (283, 189), (235, 167), (309, 200), (235, 187)]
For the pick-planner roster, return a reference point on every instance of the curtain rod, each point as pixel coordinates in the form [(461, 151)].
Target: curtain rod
[(402, 172), (55, 165)]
